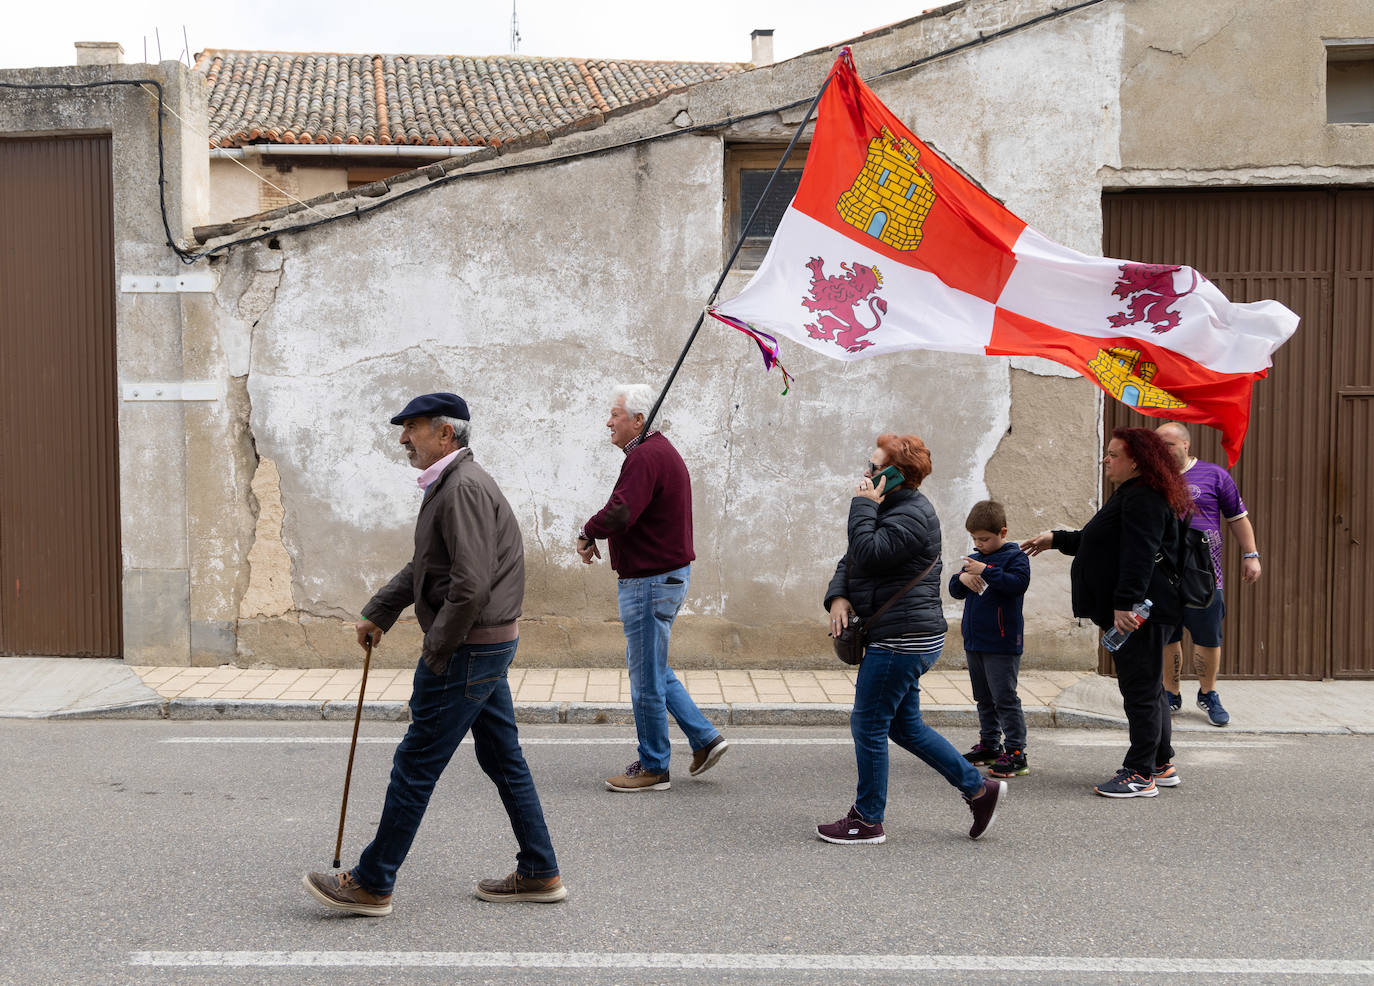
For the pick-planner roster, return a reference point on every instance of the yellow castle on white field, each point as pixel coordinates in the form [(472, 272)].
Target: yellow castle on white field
[(892, 195), (1127, 378)]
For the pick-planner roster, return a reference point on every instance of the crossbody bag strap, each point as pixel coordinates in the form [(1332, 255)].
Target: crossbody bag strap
[(902, 591)]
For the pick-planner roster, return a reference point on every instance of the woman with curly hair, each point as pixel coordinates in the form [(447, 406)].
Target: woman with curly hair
[(1114, 569), (894, 555)]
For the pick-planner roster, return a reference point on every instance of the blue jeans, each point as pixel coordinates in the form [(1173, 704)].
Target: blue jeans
[(887, 702), (648, 607), (472, 694)]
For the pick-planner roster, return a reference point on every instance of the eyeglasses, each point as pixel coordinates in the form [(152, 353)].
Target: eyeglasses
[(872, 467)]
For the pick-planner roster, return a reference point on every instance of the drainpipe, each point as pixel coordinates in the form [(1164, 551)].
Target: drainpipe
[(425, 151)]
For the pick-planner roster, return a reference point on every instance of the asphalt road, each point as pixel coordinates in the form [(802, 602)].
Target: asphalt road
[(171, 852)]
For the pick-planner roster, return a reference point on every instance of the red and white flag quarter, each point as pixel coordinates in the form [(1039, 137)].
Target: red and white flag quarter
[(888, 247)]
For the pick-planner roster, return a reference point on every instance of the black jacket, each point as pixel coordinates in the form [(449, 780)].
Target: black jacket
[(992, 622), (889, 545), (1114, 557)]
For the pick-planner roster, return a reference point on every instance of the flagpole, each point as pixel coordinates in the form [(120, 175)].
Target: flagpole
[(735, 252)]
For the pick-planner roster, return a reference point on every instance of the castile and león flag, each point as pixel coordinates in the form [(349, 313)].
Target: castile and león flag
[(888, 247)]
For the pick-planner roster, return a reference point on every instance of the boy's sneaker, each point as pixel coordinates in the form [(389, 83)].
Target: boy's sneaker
[(1128, 784), (1210, 702), (636, 778), (1175, 700), (1166, 775), (984, 807), (983, 754), (852, 830), (1012, 763), (540, 890), (343, 893)]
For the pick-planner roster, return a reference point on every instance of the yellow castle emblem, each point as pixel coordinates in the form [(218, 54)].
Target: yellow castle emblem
[(1127, 377), (892, 195)]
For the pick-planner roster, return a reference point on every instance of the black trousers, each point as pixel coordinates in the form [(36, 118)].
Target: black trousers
[(1139, 671)]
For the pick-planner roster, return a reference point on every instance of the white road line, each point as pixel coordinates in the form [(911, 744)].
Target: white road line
[(746, 960), (1179, 742), (1113, 741), (524, 740)]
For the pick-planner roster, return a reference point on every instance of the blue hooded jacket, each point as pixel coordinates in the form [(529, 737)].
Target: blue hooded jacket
[(992, 622)]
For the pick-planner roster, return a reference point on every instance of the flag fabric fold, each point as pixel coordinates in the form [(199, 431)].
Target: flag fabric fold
[(887, 247)]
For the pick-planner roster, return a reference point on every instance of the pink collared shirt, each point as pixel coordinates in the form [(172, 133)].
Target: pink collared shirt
[(432, 473)]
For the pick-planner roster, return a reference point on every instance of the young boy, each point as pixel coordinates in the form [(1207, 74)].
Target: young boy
[(991, 583)]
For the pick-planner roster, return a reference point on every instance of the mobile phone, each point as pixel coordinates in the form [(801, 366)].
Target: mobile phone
[(893, 477)]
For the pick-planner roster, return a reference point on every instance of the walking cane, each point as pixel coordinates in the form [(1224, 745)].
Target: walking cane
[(348, 776)]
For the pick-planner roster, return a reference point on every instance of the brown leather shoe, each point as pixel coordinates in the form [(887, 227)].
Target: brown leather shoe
[(707, 757), (341, 892), (540, 890), (636, 778)]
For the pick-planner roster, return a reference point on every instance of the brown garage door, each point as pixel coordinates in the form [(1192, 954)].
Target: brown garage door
[(59, 501), (1306, 459)]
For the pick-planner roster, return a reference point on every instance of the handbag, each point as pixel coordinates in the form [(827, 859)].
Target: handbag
[(1191, 572), (852, 638)]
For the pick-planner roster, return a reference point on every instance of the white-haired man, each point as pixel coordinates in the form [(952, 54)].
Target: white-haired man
[(1215, 498), (647, 523)]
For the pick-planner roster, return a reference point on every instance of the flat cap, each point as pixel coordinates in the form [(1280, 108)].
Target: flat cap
[(432, 405)]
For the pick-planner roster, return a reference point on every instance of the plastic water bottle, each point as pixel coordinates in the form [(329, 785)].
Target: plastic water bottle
[(1114, 638)]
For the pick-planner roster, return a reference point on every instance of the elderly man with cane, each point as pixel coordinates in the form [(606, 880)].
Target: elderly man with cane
[(466, 581)]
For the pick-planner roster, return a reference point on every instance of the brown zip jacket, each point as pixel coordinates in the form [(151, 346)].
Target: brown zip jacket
[(467, 579)]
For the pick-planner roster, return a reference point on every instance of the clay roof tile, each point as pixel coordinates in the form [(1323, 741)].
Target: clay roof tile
[(324, 97)]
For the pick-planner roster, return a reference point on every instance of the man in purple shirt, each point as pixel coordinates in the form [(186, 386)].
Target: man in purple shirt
[(647, 523), (1216, 499)]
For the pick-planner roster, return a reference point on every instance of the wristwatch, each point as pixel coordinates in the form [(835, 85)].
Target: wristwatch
[(1250, 554)]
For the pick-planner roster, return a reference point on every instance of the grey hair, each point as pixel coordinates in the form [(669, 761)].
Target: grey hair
[(462, 430), (638, 397)]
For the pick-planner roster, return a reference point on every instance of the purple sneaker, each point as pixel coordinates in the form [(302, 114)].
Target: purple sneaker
[(984, 806), (852, 830)]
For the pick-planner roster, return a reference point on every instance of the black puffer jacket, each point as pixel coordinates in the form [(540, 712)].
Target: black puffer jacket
[(889, 544)]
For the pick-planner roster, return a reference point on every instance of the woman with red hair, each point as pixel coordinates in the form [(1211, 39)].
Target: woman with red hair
[(1113, 570), (894, 555)]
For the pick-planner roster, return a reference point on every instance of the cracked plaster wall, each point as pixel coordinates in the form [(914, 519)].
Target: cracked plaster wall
[(532, 293), (1234, 92)]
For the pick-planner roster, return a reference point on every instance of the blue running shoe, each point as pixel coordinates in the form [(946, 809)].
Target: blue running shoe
[(1128, 784), (1210, 702), (1175, 700)]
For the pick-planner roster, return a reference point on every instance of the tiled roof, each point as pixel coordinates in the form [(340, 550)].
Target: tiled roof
[(325, 98)]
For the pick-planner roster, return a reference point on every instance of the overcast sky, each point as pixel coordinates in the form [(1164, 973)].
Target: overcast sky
[(698, 30)]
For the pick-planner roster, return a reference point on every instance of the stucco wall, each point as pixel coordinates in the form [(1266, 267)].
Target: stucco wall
[(236, 188), (531, 293), (1234, 92)]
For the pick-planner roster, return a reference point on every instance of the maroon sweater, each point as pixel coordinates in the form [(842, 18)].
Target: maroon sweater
[(648, 519)]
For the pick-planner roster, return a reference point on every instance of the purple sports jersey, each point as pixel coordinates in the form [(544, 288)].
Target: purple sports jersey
[(1216, 498)]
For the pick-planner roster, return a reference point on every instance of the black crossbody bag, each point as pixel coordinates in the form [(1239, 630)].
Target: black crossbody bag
[(1191, 571), (852, 638)]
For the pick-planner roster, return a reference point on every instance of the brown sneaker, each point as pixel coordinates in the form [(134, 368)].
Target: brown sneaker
[(636, 778), (341, 892), (540, 890), (707, 757)]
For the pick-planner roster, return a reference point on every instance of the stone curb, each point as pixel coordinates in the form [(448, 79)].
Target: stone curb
[(149, 709), (622, 714)]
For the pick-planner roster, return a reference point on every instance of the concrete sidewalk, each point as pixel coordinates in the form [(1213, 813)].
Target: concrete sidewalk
[(38, 688)]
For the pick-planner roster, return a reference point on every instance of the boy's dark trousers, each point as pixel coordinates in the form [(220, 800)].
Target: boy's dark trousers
[(993, 677)]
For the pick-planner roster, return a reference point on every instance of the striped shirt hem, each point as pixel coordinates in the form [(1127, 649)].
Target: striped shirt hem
[(912, 643)]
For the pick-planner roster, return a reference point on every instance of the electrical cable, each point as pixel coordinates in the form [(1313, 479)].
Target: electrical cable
[(186, 256)]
